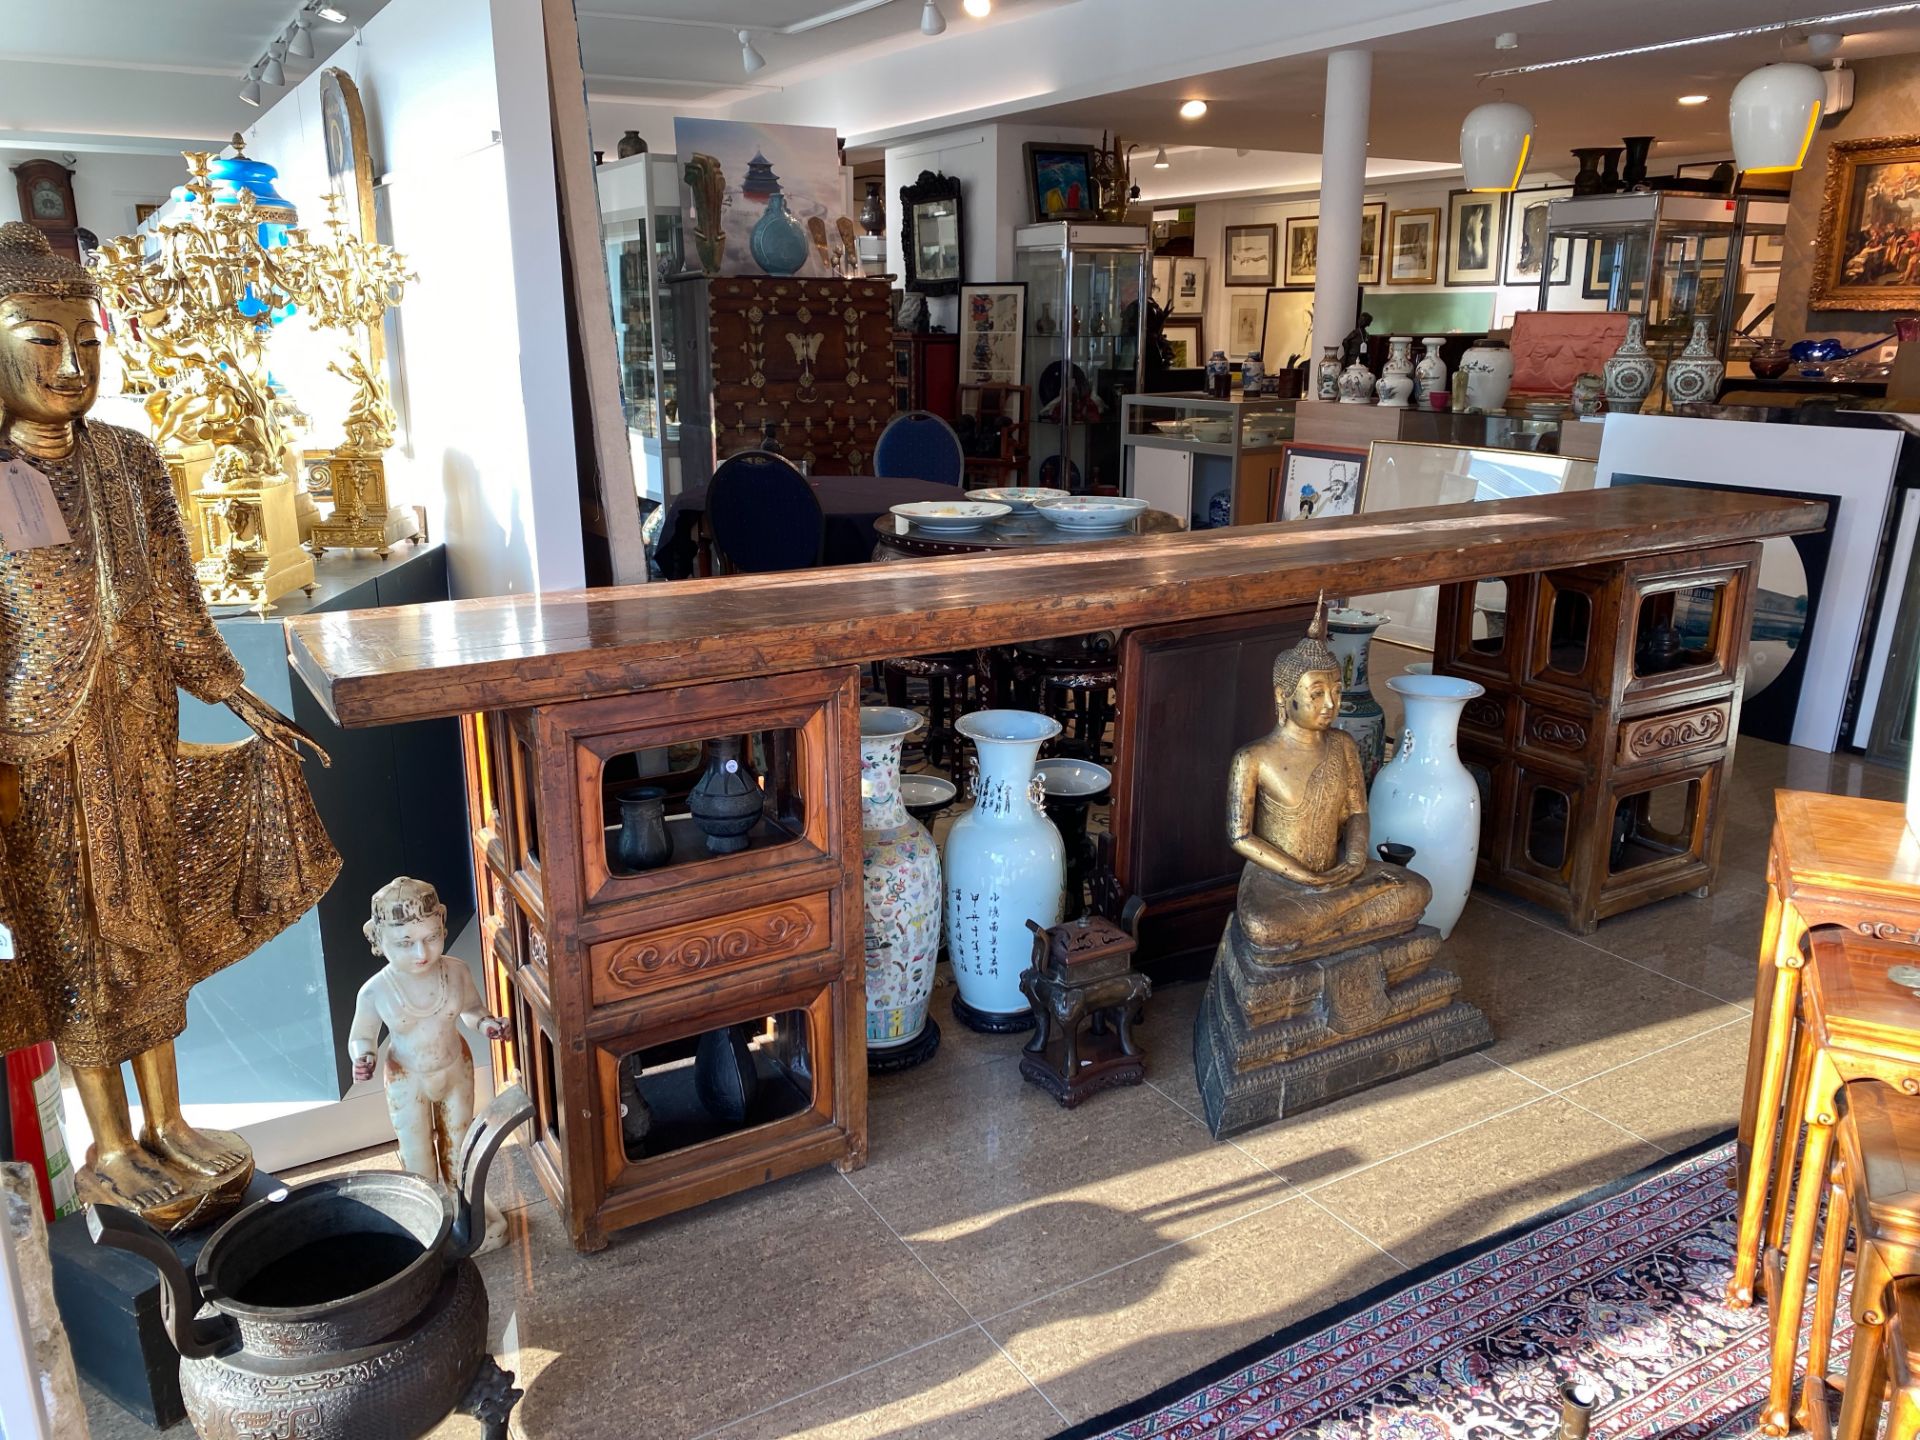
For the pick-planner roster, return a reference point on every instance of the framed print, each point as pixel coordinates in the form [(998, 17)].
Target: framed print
[(1765, 252), (1867, 256), (1476, 229), (1250, 254), (1302, 252), (1162, 280), (1189, 295), (1184, 340), (993, 328), (1526, 247), (1320, 480), (1246, 319), (1413, 247), (1286, 332), (1060, 181), (1373, 231)]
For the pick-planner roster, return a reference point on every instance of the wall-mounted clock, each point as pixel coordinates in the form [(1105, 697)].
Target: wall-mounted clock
[(46, 202)]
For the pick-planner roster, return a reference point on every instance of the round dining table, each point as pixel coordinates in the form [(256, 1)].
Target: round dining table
[(851, 503), (896, 538)]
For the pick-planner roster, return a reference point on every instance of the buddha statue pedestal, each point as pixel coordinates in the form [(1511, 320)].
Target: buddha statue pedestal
[(1283, 1029)]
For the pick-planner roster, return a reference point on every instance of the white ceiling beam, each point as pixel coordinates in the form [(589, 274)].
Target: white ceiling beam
[(798, 27), (94, 62)]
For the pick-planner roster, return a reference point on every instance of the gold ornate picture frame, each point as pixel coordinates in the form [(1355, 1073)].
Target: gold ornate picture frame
[(1860, 262)]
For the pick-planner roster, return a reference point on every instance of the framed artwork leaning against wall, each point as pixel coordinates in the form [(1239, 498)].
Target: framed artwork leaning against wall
[(993, 325)]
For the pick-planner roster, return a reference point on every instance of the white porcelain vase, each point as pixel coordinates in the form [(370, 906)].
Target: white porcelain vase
[(1395, 386), (1693, 376), (1424, 796), (1328, 372), (1488, 367), (1628, 373), (1430, 375), (902, 884), (1005, 863)]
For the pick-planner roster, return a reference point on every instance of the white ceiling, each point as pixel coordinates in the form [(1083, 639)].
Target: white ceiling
[(132, 75)]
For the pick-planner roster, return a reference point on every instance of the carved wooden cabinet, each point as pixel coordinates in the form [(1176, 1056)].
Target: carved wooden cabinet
[(610, 977), (813, 357), (1604, 738)]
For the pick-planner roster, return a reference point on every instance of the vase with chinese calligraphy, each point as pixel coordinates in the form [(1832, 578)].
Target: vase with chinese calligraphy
[(902, 884), (1005, 865)]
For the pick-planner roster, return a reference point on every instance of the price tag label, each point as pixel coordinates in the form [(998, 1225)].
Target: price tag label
[(29, 515), (6, 943)]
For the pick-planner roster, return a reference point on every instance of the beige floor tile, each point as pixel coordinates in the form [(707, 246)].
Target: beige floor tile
[(1123, 1334), (1327, 1144), (1006, 1196), (1502, 1172), (1712, 944), (1563, 1011), (702, 1317), (511, 1182), (1165, 1037), (1678, 1097), (960, 1386)]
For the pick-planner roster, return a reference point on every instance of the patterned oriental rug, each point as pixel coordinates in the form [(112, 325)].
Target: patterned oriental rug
[(1621, 1289)]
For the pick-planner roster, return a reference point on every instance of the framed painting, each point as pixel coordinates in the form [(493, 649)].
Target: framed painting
[(1188, 299), (1060, 181), (1373, 232), (1246, 319), (1867, 255), (1162, 280), (993, 327), (736, 172), (1302, 252), (1320, 480), (1250, 254), (1413, 247), (1183, 339), (1286, 331), (1765, 252), (1475, 233), (1526, 246)]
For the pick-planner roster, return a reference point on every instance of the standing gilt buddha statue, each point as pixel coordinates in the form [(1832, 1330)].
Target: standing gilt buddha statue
[(132, 865)]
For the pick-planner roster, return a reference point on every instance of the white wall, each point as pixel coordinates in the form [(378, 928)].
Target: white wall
[(106, 186), (456, 99)]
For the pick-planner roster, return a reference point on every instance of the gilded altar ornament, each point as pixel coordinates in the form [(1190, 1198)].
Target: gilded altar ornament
[(196, 313), (1322, 983), (132, 865)]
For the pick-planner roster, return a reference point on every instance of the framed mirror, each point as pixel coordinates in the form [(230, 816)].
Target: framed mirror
[(930, 234)]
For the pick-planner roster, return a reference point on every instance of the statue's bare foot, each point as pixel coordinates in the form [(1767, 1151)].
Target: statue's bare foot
[(132, 1178), (204, 1152)]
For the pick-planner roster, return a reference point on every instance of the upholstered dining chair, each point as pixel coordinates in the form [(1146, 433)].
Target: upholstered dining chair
[(764, 515), (919, 445)]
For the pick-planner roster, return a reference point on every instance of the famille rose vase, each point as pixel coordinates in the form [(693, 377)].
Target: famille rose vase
[(1350, 637), (1424, 796), (902, 881), (1005, 865)]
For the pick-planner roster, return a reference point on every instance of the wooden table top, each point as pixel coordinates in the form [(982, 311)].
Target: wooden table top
[(421, 662), (1843, 846)]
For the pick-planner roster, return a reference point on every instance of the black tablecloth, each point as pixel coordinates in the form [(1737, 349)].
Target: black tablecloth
[(851, 504)]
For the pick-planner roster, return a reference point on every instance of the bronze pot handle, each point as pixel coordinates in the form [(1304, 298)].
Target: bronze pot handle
[(507, 1110), (195, 1339)]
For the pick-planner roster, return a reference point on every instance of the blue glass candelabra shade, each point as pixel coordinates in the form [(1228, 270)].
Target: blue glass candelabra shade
[(230, 175)]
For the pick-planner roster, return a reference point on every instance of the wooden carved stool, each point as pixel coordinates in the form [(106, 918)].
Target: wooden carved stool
[(1082, 975)]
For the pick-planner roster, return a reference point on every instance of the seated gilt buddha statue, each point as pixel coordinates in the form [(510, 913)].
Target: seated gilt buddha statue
[(1297, 812)]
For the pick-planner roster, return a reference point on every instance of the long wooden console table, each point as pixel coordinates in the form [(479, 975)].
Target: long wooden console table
[(596, 965)]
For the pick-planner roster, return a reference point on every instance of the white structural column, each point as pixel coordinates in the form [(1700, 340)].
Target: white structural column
[(1343, 188)]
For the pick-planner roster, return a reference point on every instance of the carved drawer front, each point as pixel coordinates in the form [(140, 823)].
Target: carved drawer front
[(701, 949), (1487, 714), (1553, 732), (1659, 736)]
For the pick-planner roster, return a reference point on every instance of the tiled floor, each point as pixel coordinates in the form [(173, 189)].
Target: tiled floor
[(1002, 1267)]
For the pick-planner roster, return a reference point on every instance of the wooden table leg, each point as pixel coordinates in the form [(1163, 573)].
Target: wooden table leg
[(1789, 1305), (1826, 1298), (1762, 1001), (1772, 1043)]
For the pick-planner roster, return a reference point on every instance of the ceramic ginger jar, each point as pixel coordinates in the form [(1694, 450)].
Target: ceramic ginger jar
[(1488, 367), (1628, 373), (1693, 376), (1424, 796), (1356, 383), (901, 878)]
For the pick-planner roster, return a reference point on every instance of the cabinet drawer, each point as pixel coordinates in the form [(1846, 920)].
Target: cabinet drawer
[(1678, 732), (701, 949)]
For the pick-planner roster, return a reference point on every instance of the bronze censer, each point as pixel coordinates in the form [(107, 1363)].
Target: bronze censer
[(342, 1309)]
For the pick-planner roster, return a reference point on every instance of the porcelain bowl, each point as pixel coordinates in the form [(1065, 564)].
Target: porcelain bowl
[(950, 516), (1091, 512), (1020, 498)]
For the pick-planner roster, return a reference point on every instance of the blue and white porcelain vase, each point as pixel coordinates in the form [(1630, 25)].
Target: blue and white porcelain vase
[(1424, 796), (902, 882), (779, 243), (1005, 865), (1350, 637)]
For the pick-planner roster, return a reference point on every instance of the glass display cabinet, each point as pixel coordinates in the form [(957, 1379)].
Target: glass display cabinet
[(1670, 256), (1211, 462), (1083, 353), (640, 230)]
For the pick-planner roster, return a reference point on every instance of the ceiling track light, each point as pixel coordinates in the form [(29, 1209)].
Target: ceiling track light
[(332, 14), (1811, 22), (250, 92), (271, 71), (932, 22), (751, 59), (1160, 161), (299, 37)]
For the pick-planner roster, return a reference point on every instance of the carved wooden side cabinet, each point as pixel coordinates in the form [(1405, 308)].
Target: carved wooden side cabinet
[(611, 977), (1604, 738)]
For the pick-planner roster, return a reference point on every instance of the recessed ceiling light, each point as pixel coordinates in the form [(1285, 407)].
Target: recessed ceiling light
[(333, 14), (1693, 99), (1193, 109), (978, 9), (1160, 161)]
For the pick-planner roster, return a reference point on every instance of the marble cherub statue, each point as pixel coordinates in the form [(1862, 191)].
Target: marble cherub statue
[(423, 997)]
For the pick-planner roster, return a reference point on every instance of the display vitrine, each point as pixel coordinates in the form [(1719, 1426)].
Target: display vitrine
[(1085, 327), (640, 229), (1211, 462)]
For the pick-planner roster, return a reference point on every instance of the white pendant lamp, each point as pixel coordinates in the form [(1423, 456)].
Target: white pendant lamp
[(1494, 141), (1773, 114)]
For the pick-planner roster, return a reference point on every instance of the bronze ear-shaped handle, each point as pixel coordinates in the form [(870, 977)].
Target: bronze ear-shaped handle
[(180, 1301), (507, 1111)]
